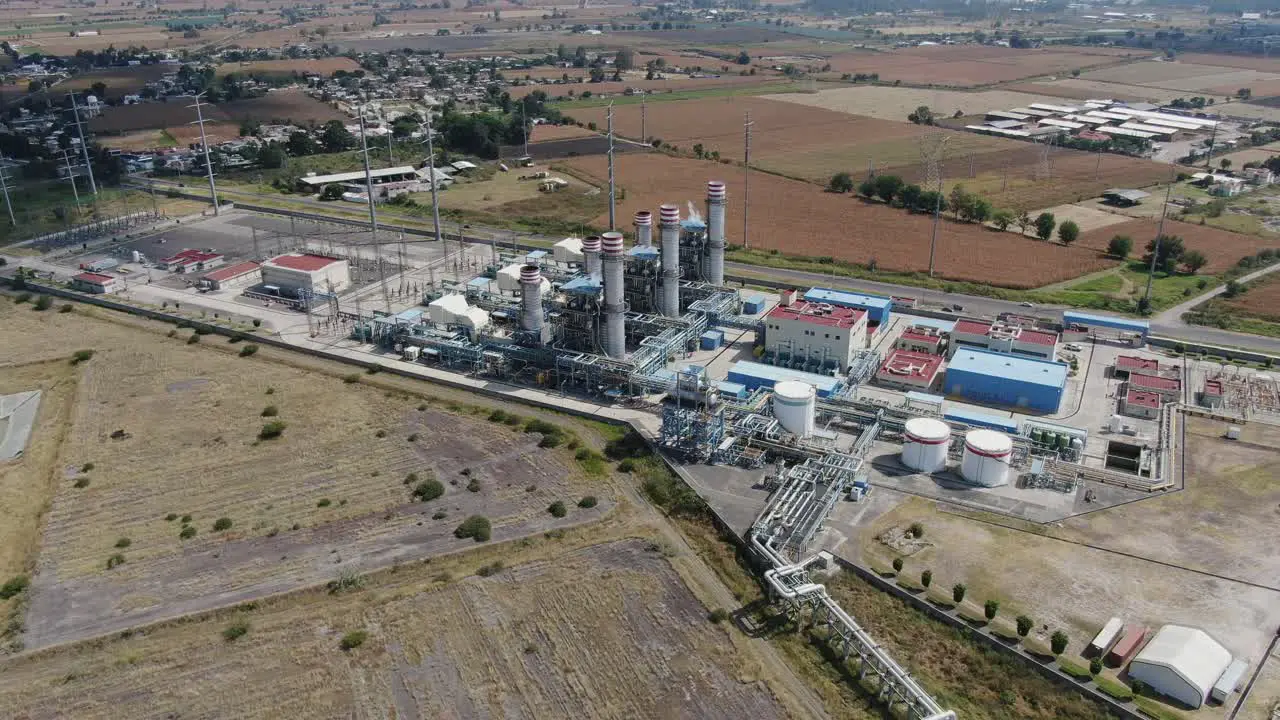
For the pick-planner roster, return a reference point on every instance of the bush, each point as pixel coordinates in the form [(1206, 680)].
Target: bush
[(235, 630), (323, 503), (990, 608), (115, 561), (80, 356), (1024, 625), (557, 509), (271, 430), (475, 527), (916, 530), (248, 350), (353, 640), (1058, 642), (587, 502), (718, 615), (270, 411), (187, 532), (957, 592), (123, 543), (428, 490), (926, 577), (897, 564), (222, 523), (13, 586), (44, 302)]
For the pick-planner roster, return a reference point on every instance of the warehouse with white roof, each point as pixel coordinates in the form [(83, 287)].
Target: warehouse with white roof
[(1181, 662)]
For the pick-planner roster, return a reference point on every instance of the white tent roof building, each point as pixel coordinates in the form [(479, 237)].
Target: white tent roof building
[(1181, 662)]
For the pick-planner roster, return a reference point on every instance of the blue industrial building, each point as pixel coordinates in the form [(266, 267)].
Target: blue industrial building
[(755, 375), (877, 308), (1009, 380), (1141, 327)]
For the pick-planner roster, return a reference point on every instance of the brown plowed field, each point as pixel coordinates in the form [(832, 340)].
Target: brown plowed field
[(797, 218), (970, 65), (815, 143), (1222, 248)]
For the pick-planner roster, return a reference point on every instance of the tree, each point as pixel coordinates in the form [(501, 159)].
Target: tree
[(840, 183), (926, 578), (957, 592), (1044, 225), (922, 116), (1120, 246), (1024, 625), (867, 188), (1002, 219), (887, 186), (1171, 248), (1068, 232), (336, 138), (990, 608), (744, 58), (1193, 260), (1058, 642), (332, 191)]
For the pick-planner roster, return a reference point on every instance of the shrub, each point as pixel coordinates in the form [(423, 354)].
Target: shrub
[(557, 509), (475, 527), (187, 532), (897, 564), (193, 339), (990, 608), (474, 485), (248, 350), (13, 586), (718, 615), (353, 640), (271, 430), (916, 530), (1095, 666), (80, 356), (428, 490), (222, 523), (926, 577), (44, 302), (235, 630), (270, 411), (1024, 625), (323, 503), (957, 592), (587, 502), (123, 543), (1058, 642), (115, 561)]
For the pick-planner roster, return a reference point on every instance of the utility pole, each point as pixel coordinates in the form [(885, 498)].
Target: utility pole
[(746, 174), (431, 167), (612, 192), (1155, 253), (204, 142), (373, 213), (84, 146), (4, 185)]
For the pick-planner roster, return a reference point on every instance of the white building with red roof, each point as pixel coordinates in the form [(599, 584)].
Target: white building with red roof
[(304, 272), (814, 336), (95, 283), (910, 370), (1004, 338)]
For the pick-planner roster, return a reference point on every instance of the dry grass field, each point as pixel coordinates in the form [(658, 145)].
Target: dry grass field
[(800, 218), (1221, 247)]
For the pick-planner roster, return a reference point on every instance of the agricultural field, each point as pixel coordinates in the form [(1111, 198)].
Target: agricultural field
[(282, 107), (971, 65), (1221, 247), (799, 218), (291, 68), (167, 494)]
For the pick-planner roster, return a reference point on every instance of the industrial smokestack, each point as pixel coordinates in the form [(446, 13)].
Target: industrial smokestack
[(669, 226), (531, 299), (591, 255), (715, 233), (644, 228), (615, 338)]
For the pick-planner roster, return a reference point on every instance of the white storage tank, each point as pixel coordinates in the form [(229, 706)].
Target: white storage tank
[(924, 444), (793, 406), (986, 458)]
